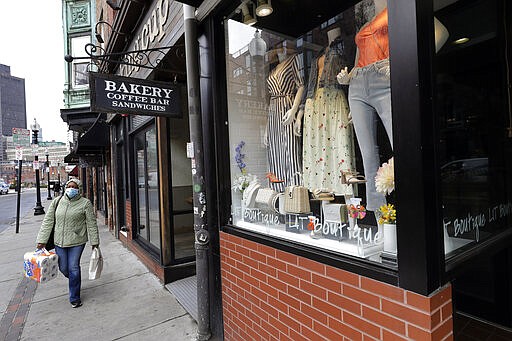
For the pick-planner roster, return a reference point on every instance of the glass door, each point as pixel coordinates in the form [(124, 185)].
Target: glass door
[(148, 227)]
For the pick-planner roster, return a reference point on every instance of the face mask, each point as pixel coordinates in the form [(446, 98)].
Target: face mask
[(71, 192)]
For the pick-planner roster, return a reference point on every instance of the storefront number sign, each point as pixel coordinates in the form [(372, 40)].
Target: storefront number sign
[(124, 95)]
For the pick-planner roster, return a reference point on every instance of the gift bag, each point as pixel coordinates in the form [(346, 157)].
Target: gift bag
[(41, 265), (96, 264), (296, 199)]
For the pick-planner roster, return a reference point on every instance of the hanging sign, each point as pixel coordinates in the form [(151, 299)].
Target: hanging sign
[(124, 95)]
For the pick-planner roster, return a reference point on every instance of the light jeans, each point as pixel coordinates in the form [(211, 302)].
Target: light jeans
[(69, 265), (369, 98)]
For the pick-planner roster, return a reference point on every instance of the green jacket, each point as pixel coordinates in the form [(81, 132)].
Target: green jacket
[(74, 222)]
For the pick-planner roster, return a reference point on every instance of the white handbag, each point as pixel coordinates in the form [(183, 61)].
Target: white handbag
[(96, 264), (266, 197)]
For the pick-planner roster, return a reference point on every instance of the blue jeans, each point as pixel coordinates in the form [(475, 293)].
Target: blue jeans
[(69, 265), (369, 98)]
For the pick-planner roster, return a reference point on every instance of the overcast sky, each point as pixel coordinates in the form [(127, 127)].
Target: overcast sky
[(31, 44)]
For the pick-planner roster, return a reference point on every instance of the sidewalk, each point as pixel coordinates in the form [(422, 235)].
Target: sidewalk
[(126, 303)]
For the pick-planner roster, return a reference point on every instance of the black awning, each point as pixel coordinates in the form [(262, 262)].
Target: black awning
[(95, 140), (79, 119), (71, 159)]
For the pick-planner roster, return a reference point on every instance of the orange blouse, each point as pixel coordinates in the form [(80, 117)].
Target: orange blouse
[(372, 40)]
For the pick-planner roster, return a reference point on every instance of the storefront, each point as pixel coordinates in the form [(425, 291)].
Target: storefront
[(371, 204), (152, 186)]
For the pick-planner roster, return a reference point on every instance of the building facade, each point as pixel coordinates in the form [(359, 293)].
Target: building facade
[(12, 105), (367, 204), (89, 130)]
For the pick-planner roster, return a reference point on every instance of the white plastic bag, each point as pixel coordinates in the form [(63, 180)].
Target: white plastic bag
[(96, 264)]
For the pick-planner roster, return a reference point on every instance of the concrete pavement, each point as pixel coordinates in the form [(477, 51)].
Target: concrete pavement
[(126, 303)]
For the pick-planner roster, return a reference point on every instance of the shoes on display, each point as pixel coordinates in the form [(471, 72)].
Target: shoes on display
[(350, 178), (273, 178), (322, 194)]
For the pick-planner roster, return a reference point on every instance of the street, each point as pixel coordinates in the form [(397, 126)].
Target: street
[(126, 303), (8, 205)]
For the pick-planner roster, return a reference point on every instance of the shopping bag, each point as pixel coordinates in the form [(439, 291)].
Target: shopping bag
[(41, 265), (96, 264)]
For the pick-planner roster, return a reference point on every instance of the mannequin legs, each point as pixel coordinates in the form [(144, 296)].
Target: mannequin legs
[(370, 99)]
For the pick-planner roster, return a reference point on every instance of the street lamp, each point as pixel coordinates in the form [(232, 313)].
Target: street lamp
[(38, 210), (49, 197)]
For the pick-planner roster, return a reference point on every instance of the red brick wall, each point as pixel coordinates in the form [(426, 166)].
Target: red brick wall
[(268, 294)]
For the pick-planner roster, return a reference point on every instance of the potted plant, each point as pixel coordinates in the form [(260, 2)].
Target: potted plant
[(385, 183)]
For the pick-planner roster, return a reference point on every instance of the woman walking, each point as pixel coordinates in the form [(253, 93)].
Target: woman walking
[(75, 224)]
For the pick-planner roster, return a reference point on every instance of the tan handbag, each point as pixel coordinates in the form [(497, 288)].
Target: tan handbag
[(296, 199)]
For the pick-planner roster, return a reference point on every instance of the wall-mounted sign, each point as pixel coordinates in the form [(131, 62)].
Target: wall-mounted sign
[(115, 94)]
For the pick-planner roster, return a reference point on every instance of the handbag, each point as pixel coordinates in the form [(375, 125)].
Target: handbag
[(296, 199), (50, 244), (265, 197), (95, 264)]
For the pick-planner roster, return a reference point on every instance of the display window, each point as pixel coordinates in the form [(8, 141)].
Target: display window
[(310, 132), (472, 86)]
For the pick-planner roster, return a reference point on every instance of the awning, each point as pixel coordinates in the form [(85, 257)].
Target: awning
[(95, 140), (74, 171), (71, 159), (79, 119)]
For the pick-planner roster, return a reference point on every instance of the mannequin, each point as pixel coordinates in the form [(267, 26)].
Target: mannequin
[(370, 93), (328, 147), (286, 88)]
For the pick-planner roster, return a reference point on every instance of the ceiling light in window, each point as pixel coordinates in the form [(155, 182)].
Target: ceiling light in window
[(264, 8), (248, 18)]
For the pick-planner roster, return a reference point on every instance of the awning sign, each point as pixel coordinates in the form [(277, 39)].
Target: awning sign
[(115, 94)]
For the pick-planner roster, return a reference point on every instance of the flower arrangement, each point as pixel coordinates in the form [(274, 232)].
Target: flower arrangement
[(385, 178), (385, 183), (239, 157), (387, 214), (242, 181), (358, 211)]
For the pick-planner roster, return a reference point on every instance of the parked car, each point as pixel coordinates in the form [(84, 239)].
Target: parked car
[(4, 188)]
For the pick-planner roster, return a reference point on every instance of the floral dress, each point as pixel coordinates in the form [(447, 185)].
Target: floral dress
[(328, 145)]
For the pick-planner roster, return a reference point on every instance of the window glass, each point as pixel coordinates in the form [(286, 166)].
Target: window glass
[(302, 167), (182, 207), (474, 116), (80, 69), (147, 187)]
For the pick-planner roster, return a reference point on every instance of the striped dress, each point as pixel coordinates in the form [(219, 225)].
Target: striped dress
[(284, 150)]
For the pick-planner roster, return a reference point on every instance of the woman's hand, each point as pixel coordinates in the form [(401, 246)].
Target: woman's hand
[(40, 246), (344, 76), (297, 125), (288, 117)]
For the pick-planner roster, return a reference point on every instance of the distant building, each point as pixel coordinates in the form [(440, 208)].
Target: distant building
[(12, 105)]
